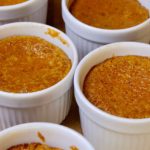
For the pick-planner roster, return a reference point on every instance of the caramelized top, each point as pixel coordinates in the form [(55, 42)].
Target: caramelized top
[(120, 86), (29, 64), (33, 146), (10, 2), (109, 14), (37, 146)]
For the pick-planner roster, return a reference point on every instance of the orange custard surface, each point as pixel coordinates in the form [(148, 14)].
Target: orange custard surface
[(109, 14), (33, 146), (29, 64), (10, 2), (120, 86)]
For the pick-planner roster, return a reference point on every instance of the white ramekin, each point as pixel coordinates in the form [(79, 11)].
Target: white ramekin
[(55, 136), (87, 38), (48, 105), (32, 10), (103, 130)]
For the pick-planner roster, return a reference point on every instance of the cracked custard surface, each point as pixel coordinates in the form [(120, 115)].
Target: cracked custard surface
[(120, 86), (10, 2), (29, 64), (109, 14)]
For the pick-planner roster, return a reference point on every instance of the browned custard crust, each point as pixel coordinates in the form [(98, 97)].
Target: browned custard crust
[(29, 64), (33, 146), (120, 86), (37, 146), (109, 14), (10, 2)]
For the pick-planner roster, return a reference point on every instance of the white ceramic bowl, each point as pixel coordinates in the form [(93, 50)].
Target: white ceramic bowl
[(32, 10), (55, 136), (48, 105), (87, 38), (103, 130)]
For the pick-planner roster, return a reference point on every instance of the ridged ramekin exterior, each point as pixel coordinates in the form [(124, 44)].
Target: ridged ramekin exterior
[(84, 46), (39, 15), (48, 105), (103, 138), (54, 111), (103, 130)]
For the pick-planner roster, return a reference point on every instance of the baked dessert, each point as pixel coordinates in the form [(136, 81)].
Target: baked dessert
[(37, 146), (10, 2), (109, 14), (33, 146), (120, 86), (29, 64)]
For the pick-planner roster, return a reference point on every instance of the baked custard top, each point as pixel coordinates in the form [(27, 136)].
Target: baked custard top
[(33, 146), (29, 64), (37, 146), (109, 14), (120, 86), (10, 2)]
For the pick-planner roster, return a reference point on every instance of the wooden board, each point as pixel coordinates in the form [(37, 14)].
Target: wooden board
[(73, 120)]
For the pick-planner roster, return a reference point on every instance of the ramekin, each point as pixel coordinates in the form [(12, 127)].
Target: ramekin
[(54, 135), (31, 10), (87, 38), (103, 130), (48, 105)]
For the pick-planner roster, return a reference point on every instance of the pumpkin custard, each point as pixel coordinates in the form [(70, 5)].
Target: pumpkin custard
[(33, 146), (37, 146), (109, 14), (29, 64), (120, 86), (10, 2)]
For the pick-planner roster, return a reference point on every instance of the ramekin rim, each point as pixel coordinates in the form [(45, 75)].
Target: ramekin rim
[(90, 105), (58, 84), (104, 31), (46, 125)]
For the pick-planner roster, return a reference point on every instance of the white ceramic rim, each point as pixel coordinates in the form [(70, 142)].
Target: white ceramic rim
[(100, 31), (45, 125), (18, 96), (85, 105)]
